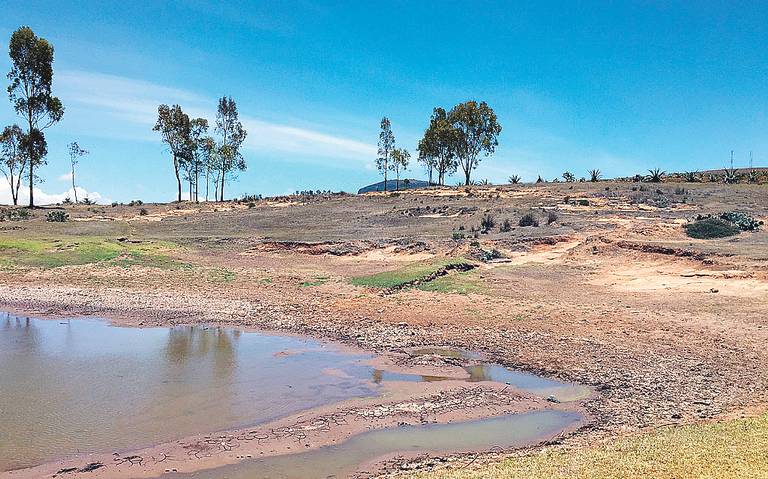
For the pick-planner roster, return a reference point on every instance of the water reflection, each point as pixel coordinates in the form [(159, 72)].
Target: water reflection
[(88, 386)]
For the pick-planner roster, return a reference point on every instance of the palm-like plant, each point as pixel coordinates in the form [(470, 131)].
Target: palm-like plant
[(655, 175), (595, 175), (731, 175), (514, 179), (690, 177)]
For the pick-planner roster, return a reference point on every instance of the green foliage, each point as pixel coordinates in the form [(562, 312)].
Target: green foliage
[(655, 175), (457, 235), (399, 163), (582, 202), (594, 175), (487, 222), (528, 219), (135, 203), (31, 78), (221, 275), (437, 149), (228, 125), (57, 216), (13, 159), (691, 176), (459, 283), (386, 146), (742, 220), (506, 226), (569, 177), (708, 228), (514, 179), (477, 132), (14, 214), (398, 277), (316, 281)]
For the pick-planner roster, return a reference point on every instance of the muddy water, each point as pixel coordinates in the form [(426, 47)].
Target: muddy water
[(83, 385), (69, 387), (344, 459)]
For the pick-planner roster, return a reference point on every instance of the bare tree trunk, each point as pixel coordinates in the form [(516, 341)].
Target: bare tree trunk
[(74, 189), (31, 162), (178, 178)]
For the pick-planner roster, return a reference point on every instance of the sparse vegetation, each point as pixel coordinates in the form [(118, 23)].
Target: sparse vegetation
[(506, 226), (595, 175), (528, 219), (487, 223), (655, 175), (57, 216), (514, 179), (551, 216), (569, 177)]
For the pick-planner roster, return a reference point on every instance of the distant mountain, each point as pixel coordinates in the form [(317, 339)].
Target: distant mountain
[(405, 184)]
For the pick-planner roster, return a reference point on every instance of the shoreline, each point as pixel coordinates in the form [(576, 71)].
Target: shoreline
[(399, 403)]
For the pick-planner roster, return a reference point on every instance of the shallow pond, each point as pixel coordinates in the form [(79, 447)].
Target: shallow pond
[(344, 459), (68, 387)]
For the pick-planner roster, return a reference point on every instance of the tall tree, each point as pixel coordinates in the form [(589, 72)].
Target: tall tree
[(400, 159), (209, 152), (477, 132), (75, 152), (175, 129), (13, 158), (386, 145), (438, 147), (31, 78), (197, 155), (233, 134)]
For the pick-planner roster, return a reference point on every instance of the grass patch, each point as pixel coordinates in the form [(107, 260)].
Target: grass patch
[(736, 448), (221, 275), (399, 277), (316, 281), (54, 253), (708, 228), (459, 283)]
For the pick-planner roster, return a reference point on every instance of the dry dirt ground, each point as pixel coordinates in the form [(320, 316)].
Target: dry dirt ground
[(612, 294)]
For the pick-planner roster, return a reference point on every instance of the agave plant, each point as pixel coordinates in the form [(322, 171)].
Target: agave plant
[(595, 175), (713, 178), (514, 179), (655, 175), (540, 180), (731, 175), (690, 176), (752, 176)]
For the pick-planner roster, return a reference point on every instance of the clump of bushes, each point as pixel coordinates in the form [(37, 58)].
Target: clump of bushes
[(506, 226), (143, 212), (551, 216), (529, 219), (57, 216), (135, 203), (457, 236), (487, 223), (743, 221), (14, 214), (727, 224)]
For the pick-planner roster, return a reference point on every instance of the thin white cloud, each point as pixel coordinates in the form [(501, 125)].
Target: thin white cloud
[(113, 106), (43, 197), (65, 177)]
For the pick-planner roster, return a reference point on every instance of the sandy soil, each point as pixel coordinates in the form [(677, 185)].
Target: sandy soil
[(667, 329)]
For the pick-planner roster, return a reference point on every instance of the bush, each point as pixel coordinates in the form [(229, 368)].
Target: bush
[(135, 203), (582, 202), (487, 223), (143, 212), (505, 227), (57, 216), (114, 204), (457, 236), (707, 228), (551, 216), (528, 219)]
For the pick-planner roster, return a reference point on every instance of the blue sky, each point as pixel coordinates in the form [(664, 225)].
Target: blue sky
[(620, 86)]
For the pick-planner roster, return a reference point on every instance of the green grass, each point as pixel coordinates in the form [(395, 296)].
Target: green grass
[(316, 281), (399, 277), (221, 275), (54, 253), (459, 283), (730, 449), (708, 228)]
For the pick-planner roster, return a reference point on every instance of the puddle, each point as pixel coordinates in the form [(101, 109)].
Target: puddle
[(344, 459), (83, 385), (71, 387)]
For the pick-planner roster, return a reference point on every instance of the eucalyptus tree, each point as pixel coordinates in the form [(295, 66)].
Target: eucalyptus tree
[(197, 156), (209, 150), (13, 158), (386, 146), (438, 147), (175, 129), (233, 134), (75, 153), (30, 93), (477, 132), (400, 159)]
